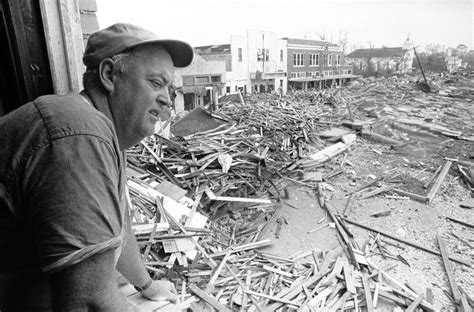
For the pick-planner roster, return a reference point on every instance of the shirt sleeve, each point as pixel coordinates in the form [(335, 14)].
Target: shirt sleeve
[(74, 199)]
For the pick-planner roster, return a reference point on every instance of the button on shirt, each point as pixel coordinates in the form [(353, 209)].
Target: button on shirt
[(61, 194)]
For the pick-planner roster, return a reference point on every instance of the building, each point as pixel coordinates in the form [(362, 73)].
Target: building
[(383, 61), (199, 84), (315, 64), (255, 62)]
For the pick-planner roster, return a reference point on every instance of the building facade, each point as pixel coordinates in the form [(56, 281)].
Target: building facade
[(382, 61), (255, 62), (199, 84), (315, 64)]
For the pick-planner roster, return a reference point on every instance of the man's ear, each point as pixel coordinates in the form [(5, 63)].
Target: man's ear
[(106, 76)]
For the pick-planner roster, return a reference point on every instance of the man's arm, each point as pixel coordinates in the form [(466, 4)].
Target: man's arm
[(131, 266), (88, 286)]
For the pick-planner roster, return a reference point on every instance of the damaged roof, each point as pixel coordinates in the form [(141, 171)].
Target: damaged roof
[(379, 52), (217, 48), (310, 42)]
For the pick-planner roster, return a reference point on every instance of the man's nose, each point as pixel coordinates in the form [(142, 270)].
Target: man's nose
[(164, 99)]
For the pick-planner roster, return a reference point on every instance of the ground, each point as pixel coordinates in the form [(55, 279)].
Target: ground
[(408, 219)]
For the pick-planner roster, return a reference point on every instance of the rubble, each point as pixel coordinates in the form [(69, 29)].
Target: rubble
[(204, 203)]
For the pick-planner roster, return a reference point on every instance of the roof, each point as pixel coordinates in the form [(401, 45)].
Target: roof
[(217, 48), (310, 42), (379, 52)]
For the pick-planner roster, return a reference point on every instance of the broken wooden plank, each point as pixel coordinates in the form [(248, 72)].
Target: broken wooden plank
[(209, 259), (326, 154), (417, 197), (413, 244), (377, 191), (414, 305), (289, 302), (460, 222), (410, 293), (348, 278), (216, 273), (209, 299), (363, 187), (433, 177), (449, 270), (367, 292), (213, 196), (438, 182), (236, 249)]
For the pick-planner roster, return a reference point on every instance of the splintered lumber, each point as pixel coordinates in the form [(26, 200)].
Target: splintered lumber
[(209, 259), (295, 289), (417, 197), (410, 243), (253, 293), (460, 222), (217, 272), (236, 249), (407, 291), (212, 196), (348, 278), (367, 292), (378, 191), (265, 232), (412, 307), (449, 270), (433, 177), (209, 299), (363, 187), (438, 182), (328, 153)]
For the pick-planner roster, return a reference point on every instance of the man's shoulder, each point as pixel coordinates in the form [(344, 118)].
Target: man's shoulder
[(72, 114)]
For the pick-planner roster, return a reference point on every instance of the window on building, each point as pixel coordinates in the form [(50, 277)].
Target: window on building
[(349, 72), (309, 75), (312, 59), (329, 59), (281, 55), (317, 74), (292, 75), (240, 54), (188, 80), (298, 59), (338, 59), (263, 54), (227, 89), (215, 79), (317, 60), (360, 65), (202, 79)]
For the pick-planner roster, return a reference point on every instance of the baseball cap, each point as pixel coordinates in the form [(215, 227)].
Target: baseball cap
[(122, 36)]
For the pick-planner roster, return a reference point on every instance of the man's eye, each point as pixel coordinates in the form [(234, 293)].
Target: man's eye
[(156, 83)]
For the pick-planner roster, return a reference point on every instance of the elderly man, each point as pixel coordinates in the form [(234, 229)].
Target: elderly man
[(64, 224)]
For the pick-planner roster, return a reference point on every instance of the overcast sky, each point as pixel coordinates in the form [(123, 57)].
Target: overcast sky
[(380, 22)]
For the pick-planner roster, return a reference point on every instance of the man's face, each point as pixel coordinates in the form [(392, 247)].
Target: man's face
[(140, 95)]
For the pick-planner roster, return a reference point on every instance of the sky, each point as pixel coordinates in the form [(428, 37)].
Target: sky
[(365, 22)]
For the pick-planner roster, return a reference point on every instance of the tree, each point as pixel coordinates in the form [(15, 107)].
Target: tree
[(343, 40)]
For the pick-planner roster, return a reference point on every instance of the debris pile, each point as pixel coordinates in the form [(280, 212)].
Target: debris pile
[(203, 202)]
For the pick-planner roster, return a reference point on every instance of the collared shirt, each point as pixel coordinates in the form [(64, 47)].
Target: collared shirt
[(61, 193)]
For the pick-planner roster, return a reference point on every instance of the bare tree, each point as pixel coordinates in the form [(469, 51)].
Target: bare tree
[(343, 40)]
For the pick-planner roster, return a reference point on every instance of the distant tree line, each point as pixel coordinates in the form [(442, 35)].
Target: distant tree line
[(437, 58)]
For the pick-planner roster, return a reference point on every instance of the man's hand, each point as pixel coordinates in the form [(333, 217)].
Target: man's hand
[(161, 291)]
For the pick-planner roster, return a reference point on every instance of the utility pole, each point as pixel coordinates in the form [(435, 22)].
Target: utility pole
[(427, 86)]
